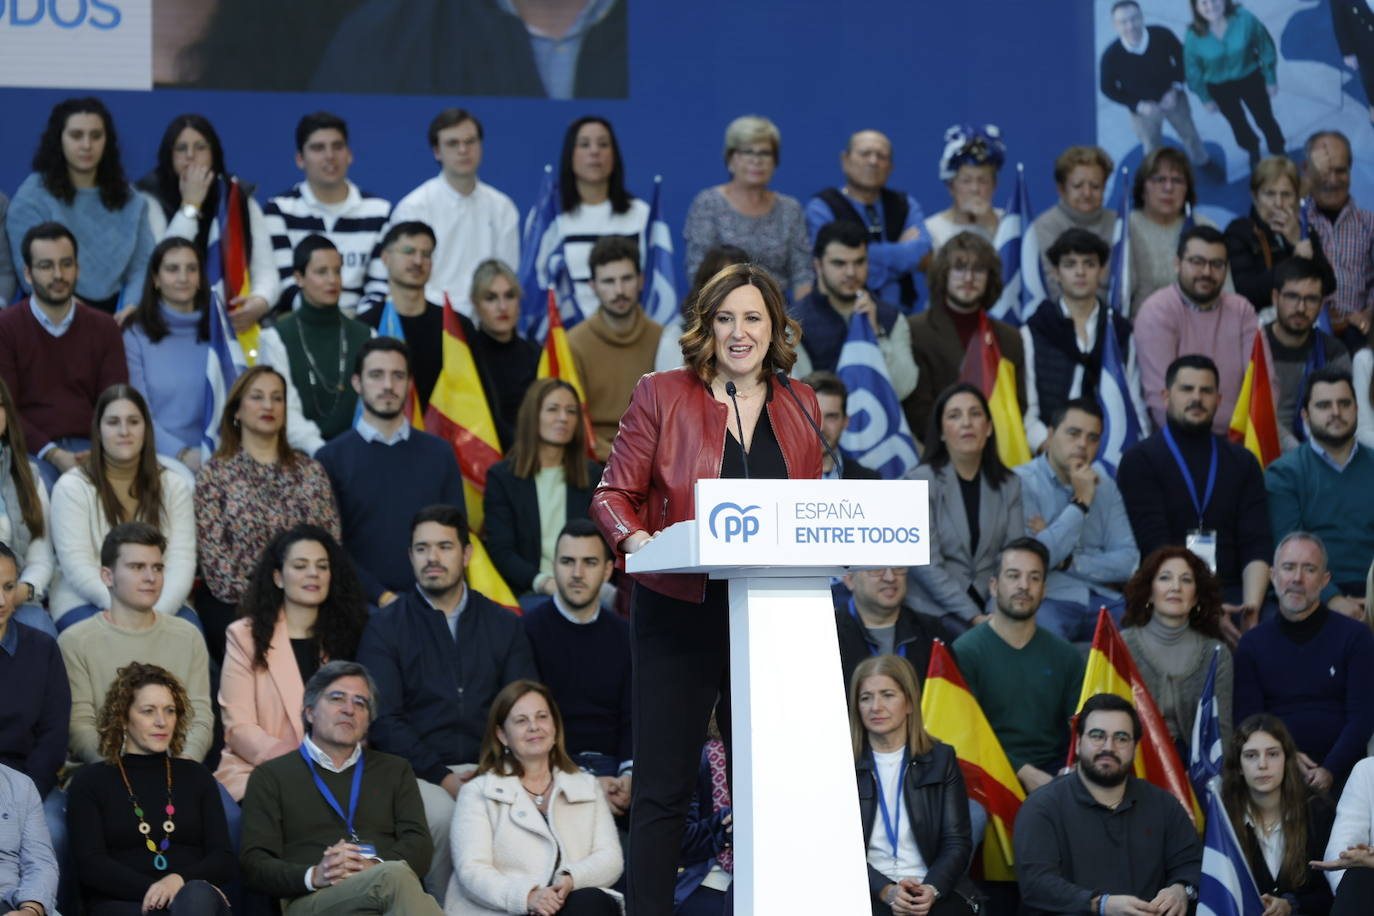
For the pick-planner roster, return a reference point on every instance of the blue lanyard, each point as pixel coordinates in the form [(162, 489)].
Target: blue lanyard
[(890, 821), (1188, 475), (873, 650), (329, 796)]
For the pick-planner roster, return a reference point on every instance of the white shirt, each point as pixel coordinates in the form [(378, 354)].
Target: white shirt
[(907, 863), (1270, 843), (370, 433), (468, 229), (558, 603)]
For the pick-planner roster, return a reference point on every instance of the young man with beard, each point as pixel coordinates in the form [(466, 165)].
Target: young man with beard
[(1327, 488), (1195, 315), (1100, 840), (383, 471), (1185, 486), (841, 262), (965, 280), (1311, 668), (440, 653), (1024, 677), (1293, 337)]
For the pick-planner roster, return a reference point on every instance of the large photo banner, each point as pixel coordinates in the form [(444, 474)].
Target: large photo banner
[(1231, 83)]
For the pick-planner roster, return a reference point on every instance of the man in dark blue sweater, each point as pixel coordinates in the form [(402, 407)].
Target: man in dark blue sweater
[(384, 471), (583, 655), (1312, 668), (439, 654)]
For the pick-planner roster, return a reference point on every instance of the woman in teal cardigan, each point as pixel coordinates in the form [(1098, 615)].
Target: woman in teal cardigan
[(1230, 62)]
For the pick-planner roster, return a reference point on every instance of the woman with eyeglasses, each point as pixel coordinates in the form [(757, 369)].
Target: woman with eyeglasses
[(1163, 199), (746, 212)]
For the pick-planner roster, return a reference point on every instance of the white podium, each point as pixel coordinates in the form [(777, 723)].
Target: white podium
[(779, 542)]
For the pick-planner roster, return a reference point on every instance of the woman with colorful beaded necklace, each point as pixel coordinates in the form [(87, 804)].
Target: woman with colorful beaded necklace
[(147, 826)]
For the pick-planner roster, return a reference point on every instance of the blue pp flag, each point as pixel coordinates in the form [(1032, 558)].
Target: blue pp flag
[(542, 265), (1022, 286), (878, 436), (224, 361), (1120, 422), (1227, 888), (660, 280), (1119, 290), (1204, 758)]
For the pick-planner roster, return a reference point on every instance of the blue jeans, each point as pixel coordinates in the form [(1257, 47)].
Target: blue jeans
[(1076, 622), (33, 615), (49, 471)]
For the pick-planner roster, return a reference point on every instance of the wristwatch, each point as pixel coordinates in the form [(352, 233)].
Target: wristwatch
[(190, 211), (1190, 892)]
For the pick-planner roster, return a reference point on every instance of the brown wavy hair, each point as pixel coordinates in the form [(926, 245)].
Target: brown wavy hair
[(119, 699), (494, 758), (147, 488), (899, 669), (698, 341), (1205, 615), (230, 438), (524, 451), (1293, 795), (30, 506)]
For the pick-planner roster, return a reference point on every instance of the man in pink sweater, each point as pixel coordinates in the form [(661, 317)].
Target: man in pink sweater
[(1195, 315)]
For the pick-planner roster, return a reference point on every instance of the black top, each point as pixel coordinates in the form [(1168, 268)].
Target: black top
[(765, 454), (307, 652), (110, 857), (971, 491), (424, 334), (510, 367)]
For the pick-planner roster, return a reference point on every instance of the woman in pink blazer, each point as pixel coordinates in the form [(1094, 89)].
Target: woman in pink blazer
[(303, 607)]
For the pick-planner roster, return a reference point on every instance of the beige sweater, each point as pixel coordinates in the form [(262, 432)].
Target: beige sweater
[(94, 650), (609, 363)]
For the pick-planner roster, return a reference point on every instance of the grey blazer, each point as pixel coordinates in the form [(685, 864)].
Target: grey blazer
[(942, 587)]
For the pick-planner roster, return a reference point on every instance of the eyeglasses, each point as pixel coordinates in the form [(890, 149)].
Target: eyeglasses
[(898, 571), (757, 155), (1197, 263), (1098, 736), (1292, 298), (340, 697)]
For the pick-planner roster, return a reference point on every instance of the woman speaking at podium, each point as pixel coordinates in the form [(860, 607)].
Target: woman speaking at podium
[(730, 411)]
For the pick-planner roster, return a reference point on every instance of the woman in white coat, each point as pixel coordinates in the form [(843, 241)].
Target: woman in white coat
[(531, 833)]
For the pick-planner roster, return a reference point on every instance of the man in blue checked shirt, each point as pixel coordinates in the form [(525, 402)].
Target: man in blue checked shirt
[(1073, 507)]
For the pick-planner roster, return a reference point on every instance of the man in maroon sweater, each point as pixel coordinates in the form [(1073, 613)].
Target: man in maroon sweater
[(56, 354)]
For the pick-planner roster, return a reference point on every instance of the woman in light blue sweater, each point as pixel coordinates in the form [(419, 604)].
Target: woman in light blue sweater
[(166, 344), (78, 181)]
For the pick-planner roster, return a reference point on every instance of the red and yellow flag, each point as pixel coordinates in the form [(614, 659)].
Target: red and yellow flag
[(993, 374), (459, 414), (953, 715), (1255, 421), (1112, 670), (557, 362), (235, 251)]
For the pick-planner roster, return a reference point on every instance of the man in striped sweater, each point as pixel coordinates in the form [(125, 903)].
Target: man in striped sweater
[(328, 204)]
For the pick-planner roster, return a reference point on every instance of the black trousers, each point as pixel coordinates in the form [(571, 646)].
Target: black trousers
[(681, 654), (1249, 92), (1355, 893), (197, 898)]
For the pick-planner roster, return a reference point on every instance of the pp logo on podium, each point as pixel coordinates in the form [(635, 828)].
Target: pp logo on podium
[(737, 523)]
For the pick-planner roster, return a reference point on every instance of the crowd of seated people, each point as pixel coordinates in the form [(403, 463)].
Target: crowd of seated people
[(274, 599)]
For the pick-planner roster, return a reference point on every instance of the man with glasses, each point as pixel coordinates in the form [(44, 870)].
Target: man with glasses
[(336, 828), (891, 220), (1195, 315), (1099, 839), (965, 280), (877, 620), (1298, 346)]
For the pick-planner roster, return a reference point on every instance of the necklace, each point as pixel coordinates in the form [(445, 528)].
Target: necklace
[(159, 850), (313, 372), (538, 796)]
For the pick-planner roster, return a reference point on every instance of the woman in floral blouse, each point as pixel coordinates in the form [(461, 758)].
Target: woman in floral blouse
[(255, 487)]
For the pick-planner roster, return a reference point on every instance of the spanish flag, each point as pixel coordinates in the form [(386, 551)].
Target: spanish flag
[(459, 414), (1255, 422), (234, 251), (483, 577), (986, 369), (1112, 670), (557, 362), (953, 715)]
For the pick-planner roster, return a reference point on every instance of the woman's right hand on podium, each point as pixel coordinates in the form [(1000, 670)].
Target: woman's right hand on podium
[(637, 540)]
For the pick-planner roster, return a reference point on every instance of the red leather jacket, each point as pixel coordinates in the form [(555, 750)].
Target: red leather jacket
[(671, 436)]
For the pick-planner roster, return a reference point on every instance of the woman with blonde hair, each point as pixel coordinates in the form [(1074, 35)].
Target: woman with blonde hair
[(507, 361), (920, 847)]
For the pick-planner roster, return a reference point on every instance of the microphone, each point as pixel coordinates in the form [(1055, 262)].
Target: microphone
[(787, 384), (730, 390)]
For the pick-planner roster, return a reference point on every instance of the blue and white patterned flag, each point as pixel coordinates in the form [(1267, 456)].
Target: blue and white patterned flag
[(1204, 757), (1023, 288), (1227, 888), (223, 363), (542, 265), (878, 436), (1119, 290), (660, 280), (1120, 422)]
